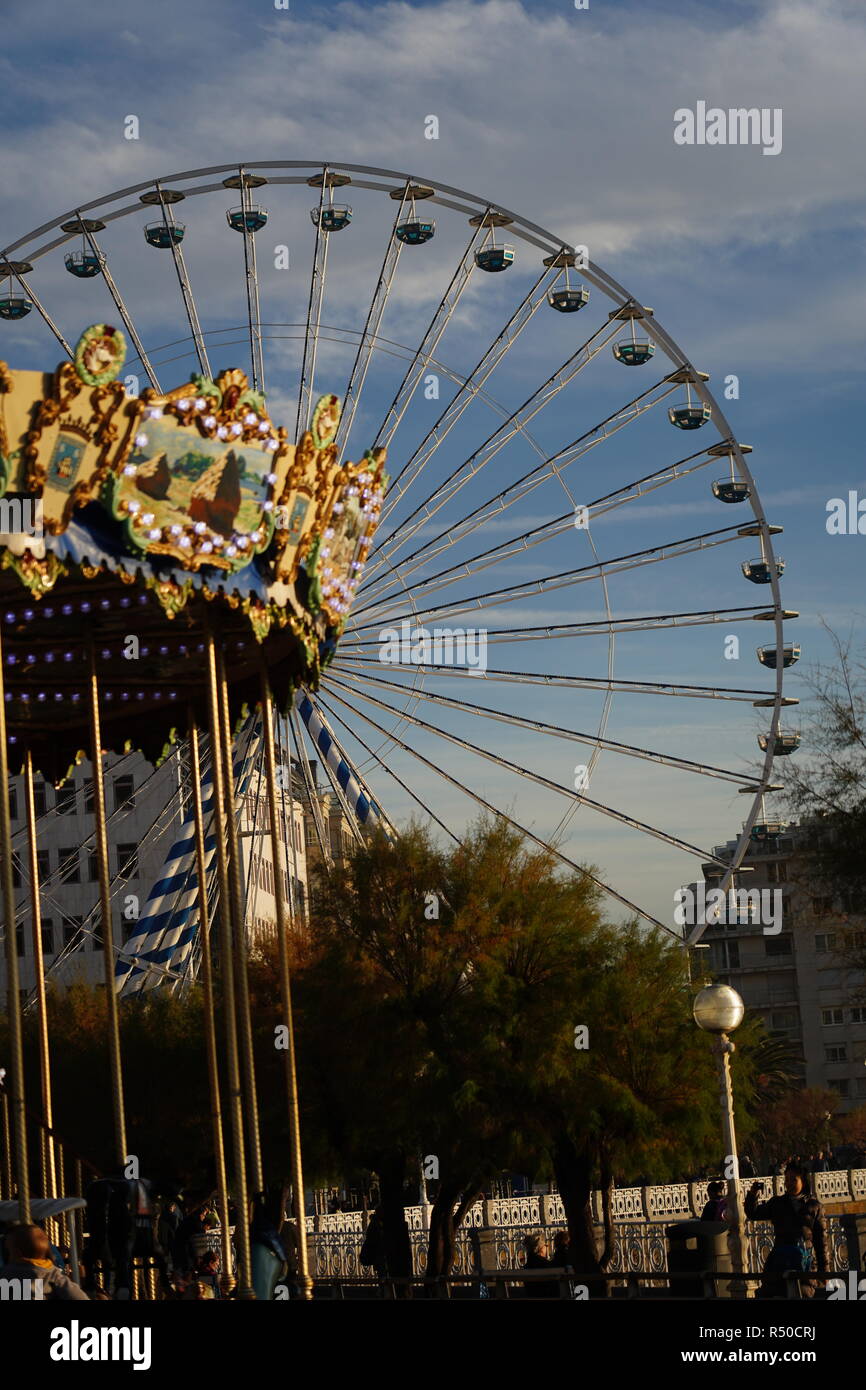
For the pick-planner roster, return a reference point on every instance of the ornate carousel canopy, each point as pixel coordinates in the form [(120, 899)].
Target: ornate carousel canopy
[(131, 526)]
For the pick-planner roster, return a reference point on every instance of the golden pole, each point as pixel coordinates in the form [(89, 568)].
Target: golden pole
[(16, 1044), (242, 1227), (6, 1185), (304, 1280), (49, 1182), (242, 993), (105, 911), (227, 1278)]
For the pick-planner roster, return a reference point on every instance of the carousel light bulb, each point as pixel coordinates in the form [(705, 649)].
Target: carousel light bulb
[(41, 695), (141, 442), (268, 506), (222, 432), (109, 695), (200, 403), (200, 528), (175, 529), (67, 656), (154, 412), (86, 606), (48, 612), (207, 547), (25, 698), (251, 419), (272, 445), (231, 550), (185, 542), (133, 507), (75, 697), (237, 428), (49, 656), (264, 427), (66, 609), (270, 478), (106, 654), (130, 471), (58, 696), (147, 518), (209, 421), (28, 614), (153, 534), (183, 404)]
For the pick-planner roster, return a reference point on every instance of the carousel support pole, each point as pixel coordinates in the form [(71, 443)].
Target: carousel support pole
[(227, 1278), (6, 1185), (105, 912), (49, 1182), (239, 937), (235, 1107), (277, 851), (16, 1041)]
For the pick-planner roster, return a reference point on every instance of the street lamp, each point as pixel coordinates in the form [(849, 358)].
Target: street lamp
[(718, 1009)]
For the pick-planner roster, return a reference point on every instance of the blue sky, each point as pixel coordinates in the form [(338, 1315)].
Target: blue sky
[(753, 264)]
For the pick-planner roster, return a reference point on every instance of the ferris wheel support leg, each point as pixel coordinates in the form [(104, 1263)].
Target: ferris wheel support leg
[(242, 994), (235, 1106), (16, 1050), (304, 1281), (101, 830), (49, 1187), (227, 1280)]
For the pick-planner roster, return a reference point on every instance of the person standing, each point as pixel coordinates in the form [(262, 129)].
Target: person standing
[(800, 1241)]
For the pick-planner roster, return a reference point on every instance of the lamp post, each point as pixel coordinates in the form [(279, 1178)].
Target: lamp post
[(718, 1009)]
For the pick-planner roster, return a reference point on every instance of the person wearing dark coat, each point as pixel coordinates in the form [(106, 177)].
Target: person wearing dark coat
[(800, 1240), (717, 1202)]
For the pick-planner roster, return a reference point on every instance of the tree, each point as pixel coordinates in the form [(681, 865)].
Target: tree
[(799, 1123), (826, 783)]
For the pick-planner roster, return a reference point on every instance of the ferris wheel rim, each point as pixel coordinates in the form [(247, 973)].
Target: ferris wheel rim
[(529, 232)]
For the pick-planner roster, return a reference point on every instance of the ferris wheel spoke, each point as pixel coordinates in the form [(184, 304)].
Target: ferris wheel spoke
[(598, 627), (468, 391), (514, 424), (548, 530), (554, 466), (367, 342), (314, 317), (15, 270), (118, 301), (618, 685), (183, 280), (439, 322), (428, 811), (475, 748), (556, 731), (251, 282), (511, 593), (524, 830)]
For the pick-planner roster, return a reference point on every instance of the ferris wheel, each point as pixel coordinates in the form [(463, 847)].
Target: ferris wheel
[(543, 624)]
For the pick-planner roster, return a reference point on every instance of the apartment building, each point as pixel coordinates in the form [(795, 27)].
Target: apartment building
[(799, 979)]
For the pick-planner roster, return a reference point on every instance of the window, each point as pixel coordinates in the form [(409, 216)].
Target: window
[(779, 945), (13, 803), (43, 865), (69, 865), (784, 1018), (825, 941), (858, 1015), (16, 871), (860, 1085), (92, 865), (836, 1054), (19, 939), (840, 1085), (72, 933), (127, 861), (47, 936), (124, 792), (777, 873), (66, 799), (832, 1018), (88, 797), (726, 955), (40, 797)]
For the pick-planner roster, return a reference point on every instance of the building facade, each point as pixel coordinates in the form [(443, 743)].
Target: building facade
[(146, 808), (797, 972)]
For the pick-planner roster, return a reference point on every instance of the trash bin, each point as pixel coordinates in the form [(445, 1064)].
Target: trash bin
[(696, 1247)]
